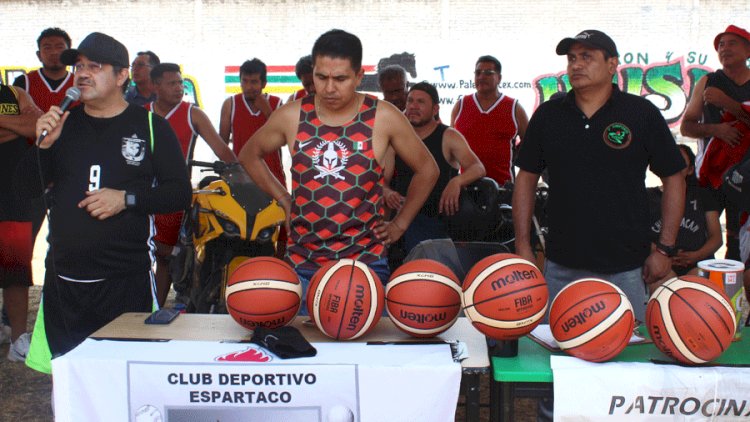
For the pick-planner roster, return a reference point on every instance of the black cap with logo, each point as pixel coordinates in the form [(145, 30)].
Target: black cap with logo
[(100, 48), (591, 38)]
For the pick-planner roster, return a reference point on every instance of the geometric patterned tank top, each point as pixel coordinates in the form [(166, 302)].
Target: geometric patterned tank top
[(338, 187)]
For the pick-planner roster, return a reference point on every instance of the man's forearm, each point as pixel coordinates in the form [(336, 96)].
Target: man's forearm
[(672, 208)]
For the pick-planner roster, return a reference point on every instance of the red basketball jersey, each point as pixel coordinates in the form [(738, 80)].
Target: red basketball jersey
[(299, 94), (42, 94), (245, 122), (490, 133), (182, 125)]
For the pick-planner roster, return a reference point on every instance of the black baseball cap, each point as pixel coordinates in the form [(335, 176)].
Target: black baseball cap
[(100, 48), (591, 38)]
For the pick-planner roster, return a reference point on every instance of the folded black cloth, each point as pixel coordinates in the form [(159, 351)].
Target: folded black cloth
[(284, 342)]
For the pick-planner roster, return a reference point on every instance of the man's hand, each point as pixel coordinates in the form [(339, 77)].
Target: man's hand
[(686, 259), (656, 267), (388, 231), (717, 97), (393, 199), (285, 202), (262, 104), (728, 133), (52, 122), (450, 197), (103, 203)]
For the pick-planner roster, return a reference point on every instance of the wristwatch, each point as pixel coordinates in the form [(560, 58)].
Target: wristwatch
[(129, 200), (669, 251)]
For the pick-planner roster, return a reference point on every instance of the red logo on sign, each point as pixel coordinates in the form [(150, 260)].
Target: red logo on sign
[(246, 355)]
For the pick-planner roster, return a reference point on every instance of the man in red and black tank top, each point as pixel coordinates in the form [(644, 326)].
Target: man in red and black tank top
[(338, 139), (490, 121), (187, 121), (47, 85)]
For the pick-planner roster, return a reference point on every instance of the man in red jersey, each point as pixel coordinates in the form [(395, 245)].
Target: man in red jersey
[(490, 121), (47, 85), (304, 71), (243, 114), (338, 140), (187, 121)]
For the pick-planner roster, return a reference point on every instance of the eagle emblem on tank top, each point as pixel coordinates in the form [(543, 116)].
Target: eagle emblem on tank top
[(329, 158)]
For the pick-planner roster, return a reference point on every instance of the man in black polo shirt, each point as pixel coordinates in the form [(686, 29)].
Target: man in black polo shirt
[(596, 143)]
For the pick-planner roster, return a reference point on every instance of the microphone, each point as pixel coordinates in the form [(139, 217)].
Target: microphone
[(71, 95)]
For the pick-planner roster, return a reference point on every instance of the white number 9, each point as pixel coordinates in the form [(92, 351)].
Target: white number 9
[(94, 177)]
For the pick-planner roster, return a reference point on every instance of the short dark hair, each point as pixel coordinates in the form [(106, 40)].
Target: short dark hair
[(254, 66), (53, 32), (429, 88), (160, 69), (490, 59), (153, 59), (304, 66), (392, 71), (339, 44), (690, 179)]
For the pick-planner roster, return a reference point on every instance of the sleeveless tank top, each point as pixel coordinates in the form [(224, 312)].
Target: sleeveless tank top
[(490, 133), (337, 186), (42, 94), (245, 123), (404, 174), (714, 155), (182, 124)]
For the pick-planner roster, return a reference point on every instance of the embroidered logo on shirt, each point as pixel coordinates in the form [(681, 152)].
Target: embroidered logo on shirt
[(617, 136), (133, 149), (331, 161)]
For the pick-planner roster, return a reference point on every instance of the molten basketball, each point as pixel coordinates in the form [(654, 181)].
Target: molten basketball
[(690, 320), (591, 319), (345, 299), (423, 298), (504, 296), (263, 292)]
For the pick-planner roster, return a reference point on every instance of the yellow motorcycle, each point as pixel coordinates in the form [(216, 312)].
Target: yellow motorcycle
[(230, 220)]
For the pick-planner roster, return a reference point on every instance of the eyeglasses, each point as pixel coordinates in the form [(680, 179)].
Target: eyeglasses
[(92, 67), (485, 72)]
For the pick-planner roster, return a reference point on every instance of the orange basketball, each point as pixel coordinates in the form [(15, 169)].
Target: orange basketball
[(345, 299), (690, 320), (504, 296), (423, 298), (263, 292), (591, 319)]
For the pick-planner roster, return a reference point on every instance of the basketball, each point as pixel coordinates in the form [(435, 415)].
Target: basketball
[(345, 299), (690, 320), (591, 319), (504, 296), (263, 292), (423, 298)]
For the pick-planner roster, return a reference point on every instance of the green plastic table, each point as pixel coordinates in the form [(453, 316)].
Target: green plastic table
[(529, 373)]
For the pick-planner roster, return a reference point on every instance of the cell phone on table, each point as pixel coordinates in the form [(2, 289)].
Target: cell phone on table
[(162, 316)]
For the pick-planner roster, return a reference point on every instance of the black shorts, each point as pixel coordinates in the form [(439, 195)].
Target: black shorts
[(74, 310)]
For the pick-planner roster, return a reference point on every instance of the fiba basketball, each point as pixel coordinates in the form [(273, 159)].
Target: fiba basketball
[(504, 296), (591, 319), (345, 299), (263, 292), (690, 320), (423, 298)]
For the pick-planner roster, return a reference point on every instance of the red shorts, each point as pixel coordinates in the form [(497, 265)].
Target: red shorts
[(168, 227), (16, 249)]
